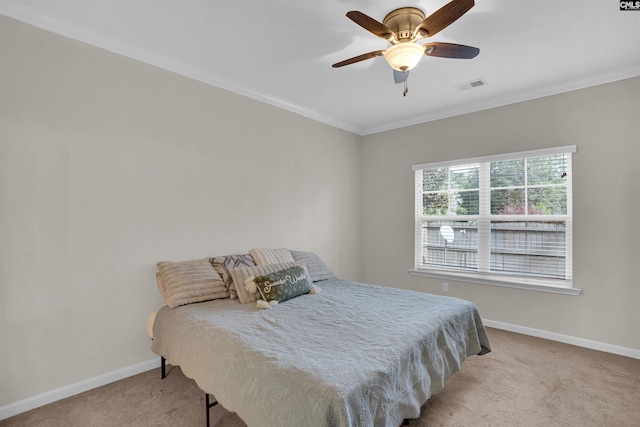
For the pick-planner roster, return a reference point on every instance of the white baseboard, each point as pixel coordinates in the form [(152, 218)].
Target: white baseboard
[(567, 339), (72, 389)]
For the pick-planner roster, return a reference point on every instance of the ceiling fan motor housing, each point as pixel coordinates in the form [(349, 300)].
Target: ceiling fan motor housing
[(403, 22)]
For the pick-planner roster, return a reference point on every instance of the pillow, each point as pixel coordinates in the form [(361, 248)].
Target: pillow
[(241, 274), (271, 256), (224, 263), (317, 268), (187, 282), (281, 285)]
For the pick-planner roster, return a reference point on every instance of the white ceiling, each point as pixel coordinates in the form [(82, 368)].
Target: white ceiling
[(281, 51)]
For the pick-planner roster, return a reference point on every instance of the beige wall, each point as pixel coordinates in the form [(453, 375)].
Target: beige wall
[(603, 123), (107, 166)]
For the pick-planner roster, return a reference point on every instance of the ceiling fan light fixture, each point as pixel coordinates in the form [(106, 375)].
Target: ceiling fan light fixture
[(404, 56)]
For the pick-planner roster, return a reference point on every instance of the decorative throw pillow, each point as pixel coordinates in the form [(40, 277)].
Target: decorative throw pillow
[(241, 274), (187, 282), (281, 285), (271, 256), (224, 263), (317, 268)]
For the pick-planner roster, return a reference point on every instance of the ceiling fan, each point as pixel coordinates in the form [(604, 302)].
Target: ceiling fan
[(403, 28)]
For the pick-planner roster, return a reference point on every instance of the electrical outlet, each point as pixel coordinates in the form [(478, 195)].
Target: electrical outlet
[(445, 287)]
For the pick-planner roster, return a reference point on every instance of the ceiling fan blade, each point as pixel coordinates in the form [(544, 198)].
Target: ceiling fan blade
[(400, 76), (450, 50), (443, 17), (359, 58), (370, 24)]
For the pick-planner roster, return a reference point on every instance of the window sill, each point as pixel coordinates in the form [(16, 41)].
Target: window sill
[(519, 283)]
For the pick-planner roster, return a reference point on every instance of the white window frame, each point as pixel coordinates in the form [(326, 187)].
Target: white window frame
[(482, 274)]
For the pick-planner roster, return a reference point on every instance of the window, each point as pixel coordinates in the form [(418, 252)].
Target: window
[(499, 219)]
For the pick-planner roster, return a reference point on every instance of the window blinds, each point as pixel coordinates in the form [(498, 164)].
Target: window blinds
[(509, 214)]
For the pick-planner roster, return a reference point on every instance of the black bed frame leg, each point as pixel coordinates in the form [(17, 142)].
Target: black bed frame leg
[(209, 406), (163, 367)]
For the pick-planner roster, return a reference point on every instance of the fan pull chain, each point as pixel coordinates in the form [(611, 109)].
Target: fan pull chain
[(406, 86)]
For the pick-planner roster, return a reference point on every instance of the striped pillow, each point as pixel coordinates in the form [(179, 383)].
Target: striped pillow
[(271, 256), (188, 282)]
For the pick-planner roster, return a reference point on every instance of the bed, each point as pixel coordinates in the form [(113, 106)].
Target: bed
[(350, 355)]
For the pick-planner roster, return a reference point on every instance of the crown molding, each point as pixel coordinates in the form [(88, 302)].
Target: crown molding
[(54, 24), (38, 18), (513, 98)]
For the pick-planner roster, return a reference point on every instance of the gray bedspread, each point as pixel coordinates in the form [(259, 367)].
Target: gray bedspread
[(352, 355)]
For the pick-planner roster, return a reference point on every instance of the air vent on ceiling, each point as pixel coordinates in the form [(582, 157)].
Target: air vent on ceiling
[(472, 84)]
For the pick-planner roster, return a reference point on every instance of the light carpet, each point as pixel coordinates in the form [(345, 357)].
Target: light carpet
[(524, 381)]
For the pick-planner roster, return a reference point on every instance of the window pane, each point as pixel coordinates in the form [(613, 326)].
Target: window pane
[(519, 199), (465, 203), (465, 177), (532, 248), (507, 202), (507, 173), (435, 203), (435, 179), (548, 201), (450, 244), (547, 170)]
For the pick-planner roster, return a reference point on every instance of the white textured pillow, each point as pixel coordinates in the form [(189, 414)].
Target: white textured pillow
[(187, 282), (241, 274), (271, 256)]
